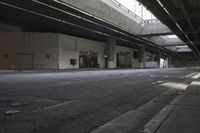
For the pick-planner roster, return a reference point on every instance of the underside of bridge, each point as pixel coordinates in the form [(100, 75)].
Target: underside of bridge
[(182, 18), (99, 66)]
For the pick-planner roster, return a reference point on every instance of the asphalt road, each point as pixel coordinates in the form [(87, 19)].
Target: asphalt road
[(77, 101)]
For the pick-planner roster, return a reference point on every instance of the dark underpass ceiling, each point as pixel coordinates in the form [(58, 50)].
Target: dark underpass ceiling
[(50, 16), (182, 17)]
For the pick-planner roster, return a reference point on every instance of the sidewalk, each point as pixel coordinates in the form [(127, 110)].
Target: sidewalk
[(41, 71), (70, 70), (133, 121), (184, 116), (8, 71)]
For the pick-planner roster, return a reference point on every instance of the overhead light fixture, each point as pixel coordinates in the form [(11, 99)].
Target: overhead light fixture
[(172, 36), (160, 3)]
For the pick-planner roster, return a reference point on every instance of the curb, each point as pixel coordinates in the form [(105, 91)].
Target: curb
[(153, 125), (134, 120)]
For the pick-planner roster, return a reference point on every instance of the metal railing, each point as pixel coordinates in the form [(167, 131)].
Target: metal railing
[(152, 21), (128, 11), (149, 21)]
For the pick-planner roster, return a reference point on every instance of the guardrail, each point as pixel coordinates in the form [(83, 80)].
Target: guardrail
[(152, 21), (149, 21), (127, 10)]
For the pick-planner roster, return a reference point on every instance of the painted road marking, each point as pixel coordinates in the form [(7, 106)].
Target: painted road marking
[(64, 83), (54, 106), (166, 76)]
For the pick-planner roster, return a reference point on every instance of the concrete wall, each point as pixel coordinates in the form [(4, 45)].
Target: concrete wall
[(20, 50), (10, 45), (188, 64), (9, 28), (67, 50), (120, 49), (109, 11), (153, 28), (150, 63), (28, 50), (135, 61), (70, 46), (44, 50), (44, 47), (158, 40)]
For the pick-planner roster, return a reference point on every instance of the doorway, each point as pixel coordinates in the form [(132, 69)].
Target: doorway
[(163, 63), (88, 60), (123, 60)]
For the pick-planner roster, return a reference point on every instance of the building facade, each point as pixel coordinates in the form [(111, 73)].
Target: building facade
[(27, 50)]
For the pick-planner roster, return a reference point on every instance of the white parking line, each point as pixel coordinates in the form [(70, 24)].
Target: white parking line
[(54, 106), (64, 83), (166, 76)]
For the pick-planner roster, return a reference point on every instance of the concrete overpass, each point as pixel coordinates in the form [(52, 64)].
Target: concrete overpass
[(94, 66), (67, 18)]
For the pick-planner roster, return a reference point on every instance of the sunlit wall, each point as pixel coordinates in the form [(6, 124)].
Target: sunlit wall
[(137, 8)]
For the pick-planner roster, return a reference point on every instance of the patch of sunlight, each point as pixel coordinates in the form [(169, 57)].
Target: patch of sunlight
[(160, 81), (191, 74), (137, 8), (154, 83), (196, 76), (174, 85), (172, 36), (152, 75), (195, 83)]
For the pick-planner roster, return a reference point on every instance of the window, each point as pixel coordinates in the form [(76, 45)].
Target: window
[(73, 62)]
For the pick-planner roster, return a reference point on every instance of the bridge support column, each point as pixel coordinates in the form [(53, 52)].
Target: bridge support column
[(169, 60), (111, 42), (158, 56), (142, 57)]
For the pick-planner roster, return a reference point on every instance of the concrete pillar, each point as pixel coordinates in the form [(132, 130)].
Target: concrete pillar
[(158, 56), (169, 60), (111, 42), (142, 57)]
